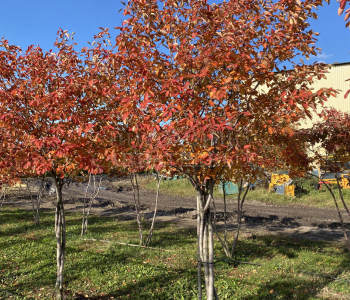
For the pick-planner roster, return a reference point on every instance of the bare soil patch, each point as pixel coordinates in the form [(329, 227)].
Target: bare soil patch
[(116, 199)]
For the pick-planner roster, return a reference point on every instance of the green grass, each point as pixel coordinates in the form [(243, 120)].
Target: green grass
[(180, 187), (102, 270), (307, 197)]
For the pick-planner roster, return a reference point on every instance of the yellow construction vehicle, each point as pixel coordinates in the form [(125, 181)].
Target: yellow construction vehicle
[(330, 177), (282, 184)]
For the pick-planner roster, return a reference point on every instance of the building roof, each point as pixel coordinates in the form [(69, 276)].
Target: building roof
[(341, 64)]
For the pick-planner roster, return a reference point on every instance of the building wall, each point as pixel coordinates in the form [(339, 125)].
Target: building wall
[(336, 80)]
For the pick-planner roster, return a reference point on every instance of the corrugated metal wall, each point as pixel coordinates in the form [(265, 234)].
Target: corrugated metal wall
[(335, 79)]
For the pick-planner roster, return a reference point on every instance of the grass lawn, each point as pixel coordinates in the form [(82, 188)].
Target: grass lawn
[(308, 197), (101, 270)]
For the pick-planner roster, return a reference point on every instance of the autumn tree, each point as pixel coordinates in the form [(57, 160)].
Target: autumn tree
[(50, 107), (329, 148), (208, 85)]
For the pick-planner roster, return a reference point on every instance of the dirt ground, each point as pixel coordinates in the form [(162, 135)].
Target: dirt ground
[(115, 199)]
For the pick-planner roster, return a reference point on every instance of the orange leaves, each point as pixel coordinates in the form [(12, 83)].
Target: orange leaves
[(203, 155), (341, 9), (206, 92), (57, 114), (288, 131), (347, 16)]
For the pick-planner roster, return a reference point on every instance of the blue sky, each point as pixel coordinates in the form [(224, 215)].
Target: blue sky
[(36, 22)]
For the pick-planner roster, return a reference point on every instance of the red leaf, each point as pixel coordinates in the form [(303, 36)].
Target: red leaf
[(346, 94)]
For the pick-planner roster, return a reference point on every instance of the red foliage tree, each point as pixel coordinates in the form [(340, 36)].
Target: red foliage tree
[(50, 106), (207, 90), (330, 146)]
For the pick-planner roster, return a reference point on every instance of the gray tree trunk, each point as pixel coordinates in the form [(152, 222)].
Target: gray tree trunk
[(205, 238), (36, 204), (210, 260), (150, 234), (239, 219), (84, 204), (135, 186), (60, 230), (93, 196), (199, 260), (223, 243), (2, 198)]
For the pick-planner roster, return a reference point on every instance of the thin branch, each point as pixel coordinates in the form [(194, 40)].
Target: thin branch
[(154, 214), (341, 196), (325, 276), (131, 245), (6, 292), (238, 261), (84, 203), (336, 205)]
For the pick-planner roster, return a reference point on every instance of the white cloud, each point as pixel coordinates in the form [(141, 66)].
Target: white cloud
[(324, 56)]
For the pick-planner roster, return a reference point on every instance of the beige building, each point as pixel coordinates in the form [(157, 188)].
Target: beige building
[(336, 79)]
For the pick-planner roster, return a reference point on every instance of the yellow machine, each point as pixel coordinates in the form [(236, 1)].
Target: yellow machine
[(282, 184), (329, 178)]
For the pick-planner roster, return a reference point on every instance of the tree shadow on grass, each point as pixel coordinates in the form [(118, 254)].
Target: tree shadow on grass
[(283, 274), (157, 287), (130, 274), (121, 270)]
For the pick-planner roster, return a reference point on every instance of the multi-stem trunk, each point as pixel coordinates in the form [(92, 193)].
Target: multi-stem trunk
[(94, 194), (150, 234), (338, 210), (205, 238), (38, 201), (2, 198), (83, 228), (240, 203), (239, 218), (135, 187), (60, 230), (224, 243), (199, 260), (31, 200), (36, 211), (339, 214)]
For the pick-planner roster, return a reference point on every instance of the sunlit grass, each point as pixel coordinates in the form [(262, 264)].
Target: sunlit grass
[(106, 270)]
